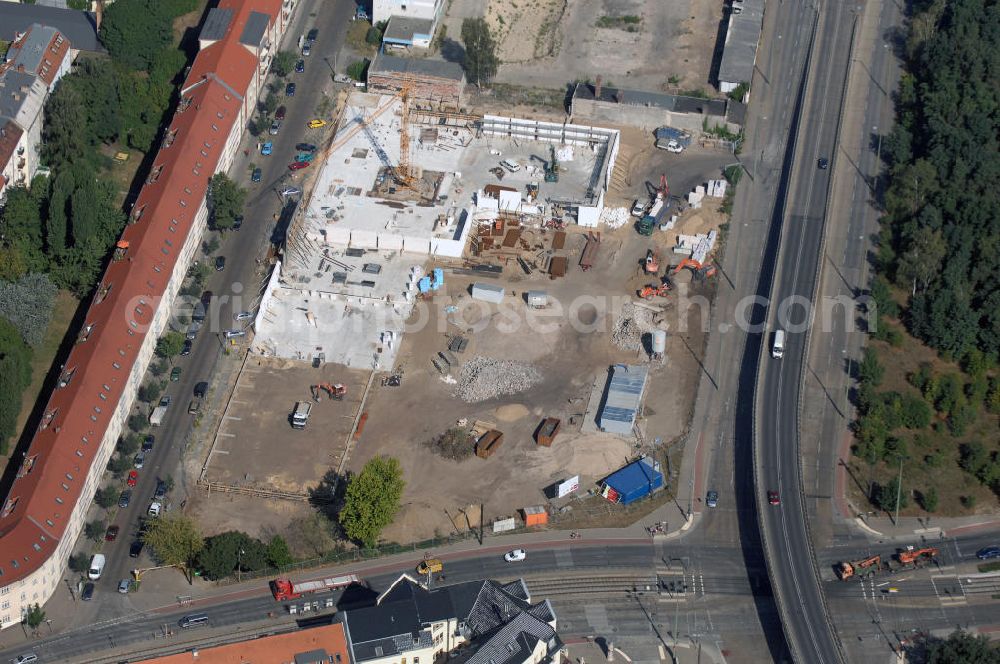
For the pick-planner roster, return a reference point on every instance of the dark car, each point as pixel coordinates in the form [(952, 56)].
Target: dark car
[(88, 592), (148, 442), (220, 263), (255, 177), (313, 34), (165, 400), (135, 549), (305, 147), (712, 499), (772, 498), (161, 489), (206, 298), (123, 500), (289, 90), (300, 66), (823, 163), (186, 350), (282, 111), (238, 223), (111, 534), (988, 552), (201, 389)]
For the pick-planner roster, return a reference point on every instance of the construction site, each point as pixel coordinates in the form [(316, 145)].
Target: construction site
[(482, 278)]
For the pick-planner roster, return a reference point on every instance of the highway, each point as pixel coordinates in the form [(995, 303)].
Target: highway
[(234, 289), (798, 229)]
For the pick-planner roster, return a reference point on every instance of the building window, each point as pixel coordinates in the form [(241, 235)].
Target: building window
[(5, 605)]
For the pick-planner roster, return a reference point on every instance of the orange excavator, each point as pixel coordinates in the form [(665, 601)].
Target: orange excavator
[(650, 291), (917, 557), (860, 568), (336, 391), (652, 262), (701, 270)]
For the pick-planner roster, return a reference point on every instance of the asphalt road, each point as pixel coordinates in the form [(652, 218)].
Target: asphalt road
[(802, 209), (235, 289)]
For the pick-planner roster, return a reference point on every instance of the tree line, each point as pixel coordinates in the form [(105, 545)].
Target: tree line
[(941, 229), (59, 232)]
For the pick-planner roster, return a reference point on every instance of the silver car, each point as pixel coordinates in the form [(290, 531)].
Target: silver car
[(123, 586)]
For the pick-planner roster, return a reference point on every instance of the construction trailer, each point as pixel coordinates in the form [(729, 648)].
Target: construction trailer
[(487, 292), (623, 399), (535, 516), (633, 482)]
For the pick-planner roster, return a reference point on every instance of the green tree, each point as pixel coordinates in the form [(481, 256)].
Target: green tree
[(79, 562), (283, 63), (961, 648), (870, 370), (888, 493), (225, 201), (312, 532), (373, 36), (28, 305), (372, 500), (176, 540), (481, 61), (270, 104), (107, 496), (225, 552), (929, 499), (151, 391), (15, 375), (358, 70), (128, 444), (278, 554), (170, 345), (34, 617), (21, 227), (158, 367), (138, 422), (119, 464), (133, 31), (57, 223), (94, 530)]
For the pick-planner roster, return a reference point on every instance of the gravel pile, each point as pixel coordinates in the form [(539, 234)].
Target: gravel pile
[(631, 324), (615, 217), (485, 378)]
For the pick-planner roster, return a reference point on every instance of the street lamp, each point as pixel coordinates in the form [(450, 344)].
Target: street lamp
[(239, 566)]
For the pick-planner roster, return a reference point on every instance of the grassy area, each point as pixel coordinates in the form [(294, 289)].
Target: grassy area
[(356, 34), (44, 355), (990, 567), (628, 22), (932, 455)]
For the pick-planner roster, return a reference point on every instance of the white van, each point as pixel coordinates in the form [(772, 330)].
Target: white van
[(778, 348), (96, 566), (511, 165)]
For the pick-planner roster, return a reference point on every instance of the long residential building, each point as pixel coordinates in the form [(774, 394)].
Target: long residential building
[(44, 512)]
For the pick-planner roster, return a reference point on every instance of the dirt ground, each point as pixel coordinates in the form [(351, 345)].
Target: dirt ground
[(256, 446), (572, 350), (660, 46)]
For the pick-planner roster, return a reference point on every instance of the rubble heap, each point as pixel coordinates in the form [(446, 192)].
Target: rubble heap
[(485, 378), (632, 323)]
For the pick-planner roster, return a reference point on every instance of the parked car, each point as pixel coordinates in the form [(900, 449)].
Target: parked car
[(243, 315), (300, 66), (712, 499), (124, 498), (289, 91), (290, 191), (342, 78), (111, 534), (235, 332), (220, 263), (297, 165), (25, 658), (186, 350), (675, 147), (154, 509), (175, 374), (275, 128), (133, 478), (192, 331), (305, 147), (201, 389), (139, 460), (88, 592), (256, 175), (238, 223), (135, 549), (161, 489), (123, 586), (772, 498), (266, 149), (307, 50), (313, 34), (148, 442), (515, 556), (988, 552), (317, 123), (194, 407), (165, 400), (282, 111), (823, 163)]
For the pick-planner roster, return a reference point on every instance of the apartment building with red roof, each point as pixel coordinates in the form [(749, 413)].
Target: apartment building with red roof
[(44, 512)]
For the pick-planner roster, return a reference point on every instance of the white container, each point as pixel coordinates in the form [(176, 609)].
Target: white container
[(659, 341), (487, 292)]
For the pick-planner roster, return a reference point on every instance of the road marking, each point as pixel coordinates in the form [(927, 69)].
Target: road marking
[(232, 417), (227, 435)]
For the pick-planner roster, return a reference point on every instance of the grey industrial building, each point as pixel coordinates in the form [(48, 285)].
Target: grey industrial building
[(740, 50), (623, 399)]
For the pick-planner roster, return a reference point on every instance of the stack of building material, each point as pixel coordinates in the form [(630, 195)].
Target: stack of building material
[(717, 188), (484, 378), (615, 217)]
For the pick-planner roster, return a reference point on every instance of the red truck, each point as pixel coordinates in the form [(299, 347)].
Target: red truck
[(284, 589)]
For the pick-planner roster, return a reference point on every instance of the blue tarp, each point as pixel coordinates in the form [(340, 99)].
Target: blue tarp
[(634, 481)]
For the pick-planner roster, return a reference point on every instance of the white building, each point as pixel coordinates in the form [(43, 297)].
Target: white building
[(383, 10)]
